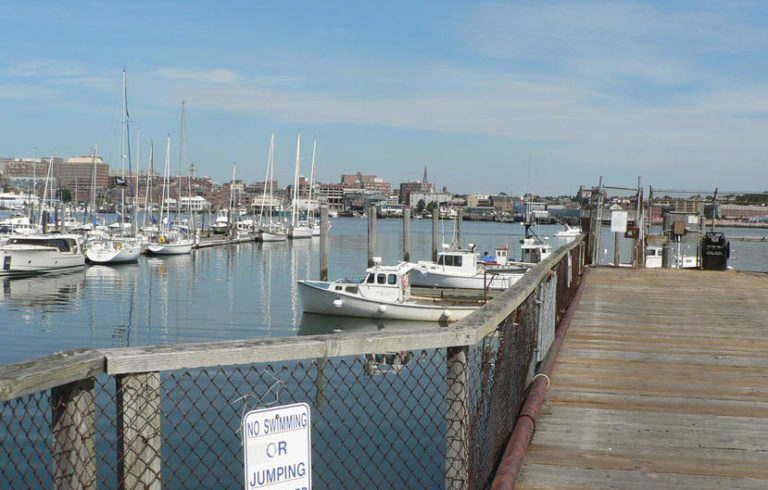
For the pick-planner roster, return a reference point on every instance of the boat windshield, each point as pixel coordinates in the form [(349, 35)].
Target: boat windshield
[(62, 244)]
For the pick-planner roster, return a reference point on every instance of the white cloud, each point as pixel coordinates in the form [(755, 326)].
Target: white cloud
[(218, 76), (25, 92)]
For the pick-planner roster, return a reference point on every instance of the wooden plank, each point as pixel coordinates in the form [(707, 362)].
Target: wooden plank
[(43, 373), (661, 383), (550, 477)]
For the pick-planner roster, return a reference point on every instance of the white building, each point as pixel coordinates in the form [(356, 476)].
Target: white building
[(195, 204)]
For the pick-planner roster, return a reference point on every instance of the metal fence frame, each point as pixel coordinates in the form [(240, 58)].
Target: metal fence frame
[(67, 378)]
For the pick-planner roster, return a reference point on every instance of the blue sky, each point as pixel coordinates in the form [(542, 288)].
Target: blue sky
[(510, 97)]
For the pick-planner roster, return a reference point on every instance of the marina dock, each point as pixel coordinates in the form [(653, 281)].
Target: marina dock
[(660, 383)]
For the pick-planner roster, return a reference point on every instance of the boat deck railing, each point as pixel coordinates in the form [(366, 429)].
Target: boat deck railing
[(427, 408)]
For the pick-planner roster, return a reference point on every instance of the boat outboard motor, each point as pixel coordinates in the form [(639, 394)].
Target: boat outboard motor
[(715, 250)]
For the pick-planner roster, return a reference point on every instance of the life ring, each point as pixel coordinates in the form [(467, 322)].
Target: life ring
[(161, 239), (405, 281)]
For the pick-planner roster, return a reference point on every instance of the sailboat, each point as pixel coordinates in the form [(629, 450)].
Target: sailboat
[(270, 230), (170, 240), (298, 229), (126, 247)]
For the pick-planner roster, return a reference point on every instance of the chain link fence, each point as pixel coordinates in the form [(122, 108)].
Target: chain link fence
[(433, 411)]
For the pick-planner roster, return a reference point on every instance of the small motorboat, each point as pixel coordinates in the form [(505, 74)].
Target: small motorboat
[(569, 231), (385, 292)]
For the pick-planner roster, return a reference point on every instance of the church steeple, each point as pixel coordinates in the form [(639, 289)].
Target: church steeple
[(424, 180)]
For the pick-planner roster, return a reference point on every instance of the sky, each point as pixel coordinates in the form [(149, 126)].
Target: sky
[(523, 96)]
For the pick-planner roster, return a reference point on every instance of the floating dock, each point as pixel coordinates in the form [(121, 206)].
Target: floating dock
[(662, 382)]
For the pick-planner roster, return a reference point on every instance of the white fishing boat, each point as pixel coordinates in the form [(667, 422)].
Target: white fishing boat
[(385, 293), (463, 269), (40, 253), (270, 230), (113, 250)]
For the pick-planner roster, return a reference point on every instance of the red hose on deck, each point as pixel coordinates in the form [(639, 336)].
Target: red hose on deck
[(512, 461)]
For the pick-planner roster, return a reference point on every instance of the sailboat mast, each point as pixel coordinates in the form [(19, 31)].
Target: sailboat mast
[(271, 174), (182, 135), (92, 195), (295, 204), (310, 210), (134, 213), (148, 195), (266, 179), (123, 131), (166, 176)]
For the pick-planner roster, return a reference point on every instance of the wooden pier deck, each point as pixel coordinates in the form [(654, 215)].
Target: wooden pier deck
[(662, 382)]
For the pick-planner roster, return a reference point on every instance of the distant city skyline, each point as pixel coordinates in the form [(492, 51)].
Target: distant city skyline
[(493, 97)]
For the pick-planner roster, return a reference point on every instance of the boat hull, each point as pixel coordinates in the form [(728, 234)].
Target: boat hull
[(300, 232), (113, 252), (433, 279), (174, 248), (266, 236), (317, 298), (13, 262)]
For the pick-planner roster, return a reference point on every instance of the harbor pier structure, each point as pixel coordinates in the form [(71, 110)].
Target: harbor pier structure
[(661, 382)]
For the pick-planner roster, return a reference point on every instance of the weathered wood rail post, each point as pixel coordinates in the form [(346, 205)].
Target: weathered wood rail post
[(407, 234), (324, 243), (371, 234), (457, 419), (138, 431), (72, 427), (435, 220)]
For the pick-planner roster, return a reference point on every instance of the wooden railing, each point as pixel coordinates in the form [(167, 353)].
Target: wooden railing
[(137, 373)]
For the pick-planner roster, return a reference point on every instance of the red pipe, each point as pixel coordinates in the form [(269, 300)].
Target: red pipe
[(512, 461)]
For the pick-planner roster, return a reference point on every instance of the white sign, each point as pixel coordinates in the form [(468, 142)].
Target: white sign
[(277, 448), (619, 221)]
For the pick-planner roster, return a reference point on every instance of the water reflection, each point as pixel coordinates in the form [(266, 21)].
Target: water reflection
[(301, 263), (45, 293)]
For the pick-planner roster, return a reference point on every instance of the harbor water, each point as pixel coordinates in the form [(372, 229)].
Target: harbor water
[(234, 292)]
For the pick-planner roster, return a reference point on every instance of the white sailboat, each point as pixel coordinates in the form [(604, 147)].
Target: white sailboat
[(171, 241), (107, 249), (298, 228), (270, 230)]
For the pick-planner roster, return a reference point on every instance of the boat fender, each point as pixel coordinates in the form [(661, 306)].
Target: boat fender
[(338, 303), (405, 281), (382, 309), (161, 239)]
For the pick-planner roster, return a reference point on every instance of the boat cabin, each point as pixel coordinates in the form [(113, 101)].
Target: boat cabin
[(63, 244), (534, 251), (386, 283)]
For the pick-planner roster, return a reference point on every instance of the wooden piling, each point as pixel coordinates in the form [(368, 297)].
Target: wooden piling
[(435, 220), (407, 234), (323, 243), (371, 234), (459, 222)]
